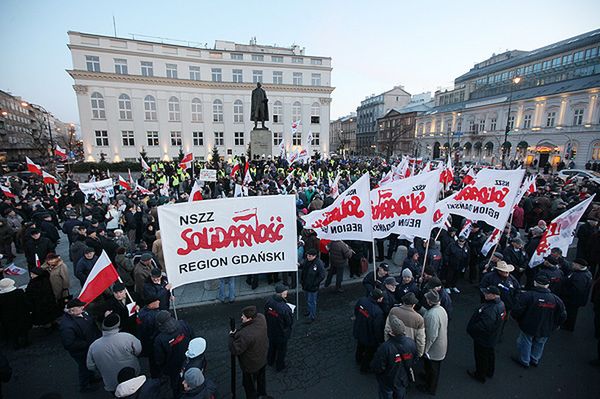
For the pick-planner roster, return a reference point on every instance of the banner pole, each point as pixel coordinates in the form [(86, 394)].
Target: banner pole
[(126, 291), (425, 257), (297, 296), (174, 308), (374, 262)]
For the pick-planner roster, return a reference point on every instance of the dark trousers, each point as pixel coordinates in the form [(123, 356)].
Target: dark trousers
[(485, 361), (276, 355), (339, 276), (432, 374), (392, 245), (569, 324), (85, 375), (451, 276), (255, 384), (380, 250), (364, 356)]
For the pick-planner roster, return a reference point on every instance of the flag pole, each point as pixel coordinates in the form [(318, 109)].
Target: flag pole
[(174, 308), (126, 291), (297, 296), (374, 256)]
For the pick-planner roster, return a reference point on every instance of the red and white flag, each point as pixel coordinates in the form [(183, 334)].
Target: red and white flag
[(187, 159), (466, 229), (524, 189), (60, 152), (386, 179), (33, 167), (247, 177), (38, 264), (469, 177), (440, 216), (447, 176), (145, 166), (143, 190), (532, 188), (295, 126), (560, 232), (196, 193), (235, 169), (124, 183), (7, 192), (131, 181), (491, 241), (348, 218), (334, 191), (102, 276), (48, 178)]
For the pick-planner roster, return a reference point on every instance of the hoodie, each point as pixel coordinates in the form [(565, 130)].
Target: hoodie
[(139, 388)]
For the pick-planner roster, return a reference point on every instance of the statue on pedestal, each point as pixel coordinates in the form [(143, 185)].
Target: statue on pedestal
[(259, 111)]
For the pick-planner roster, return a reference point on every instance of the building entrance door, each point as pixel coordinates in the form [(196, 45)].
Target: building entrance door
[(543, 159)]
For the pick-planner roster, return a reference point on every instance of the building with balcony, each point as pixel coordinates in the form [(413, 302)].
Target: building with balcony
[(162, 97), (545, 101), (342, 135)]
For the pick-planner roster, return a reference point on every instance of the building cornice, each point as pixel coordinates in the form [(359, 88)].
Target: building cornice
[(200, 84)]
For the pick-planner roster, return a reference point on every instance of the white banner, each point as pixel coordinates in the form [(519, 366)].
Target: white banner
[(100, 189), (211, 239), (207, 175), (348, 218), (560, 232), (490, 198), (405, 207), (440, 215)]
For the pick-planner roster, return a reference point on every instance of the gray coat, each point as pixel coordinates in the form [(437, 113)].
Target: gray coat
[(436, 333), (339, 253), (110, 353)]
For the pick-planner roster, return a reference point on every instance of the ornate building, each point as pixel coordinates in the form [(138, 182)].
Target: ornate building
[(342, 135)]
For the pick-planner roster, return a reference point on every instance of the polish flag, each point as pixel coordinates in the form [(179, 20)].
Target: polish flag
[(247, 177), (7, 191), (188, 158), (143, 190), (131, 181), (469, 178), (38, 264), (335, 187), (60, 152), (124, 183), (145, 166), (491, 242), (532, 188), (295, 126), (48, 178), (196, 193), (447, 175), (234, 170), (33, 167), (102, 276)]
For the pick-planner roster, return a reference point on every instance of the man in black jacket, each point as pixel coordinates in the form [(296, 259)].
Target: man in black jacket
[(393, 361), (369, 322), (279, 326), (575, 291), (370, 282), (539, 312), (514, 255), (117, 303), (313, 272), (77, 331), (37, 245), (457, 259), (484, 327)]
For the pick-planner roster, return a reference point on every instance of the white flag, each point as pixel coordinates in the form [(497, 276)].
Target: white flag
[(491, 241), (440, 216)]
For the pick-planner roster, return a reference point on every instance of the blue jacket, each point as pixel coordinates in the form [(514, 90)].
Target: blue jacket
[(78, 333), (84, 267), (508, 287), (576, 287), (539, 312), (393, 360), (485, 324), (279, 319), (369, 322)]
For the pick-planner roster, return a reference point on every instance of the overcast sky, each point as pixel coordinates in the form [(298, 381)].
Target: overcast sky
[(374, 44)]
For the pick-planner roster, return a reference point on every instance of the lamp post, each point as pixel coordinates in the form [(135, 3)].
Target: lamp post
[(27, 105), (515, 81)]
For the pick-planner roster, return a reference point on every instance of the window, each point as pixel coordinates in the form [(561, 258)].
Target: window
[(527, 121), (238, 138), (546, 65), (277, 112), (277, 138), (591, 53), (296, 112), (448, 126), (237, 76), (316, 138), (197, 139), (174, 112), (92, 63), (537, 67), (125, 107), (528, 69), (147, 68), (217, 111), (511, 122), (297, 60), (194, 72), (98, 111), (472, 128), (258, 57), (567, 59), (120, 66), (297, 78), (128, 139), (276, 58), (438, 126), (149, 108), (493, 124), (556, 62), (578, 56), (316, 61), (297, 138), (196, 110), (578, 117), (481, 125), (238, 111), (459, 125), (277, 77), (152, 137), (172, 71), (257, 76), (550, 119), (219, 140), (176, 138), (217, 75), (596, 151), (237, 56), (101, 138), (315, 79)]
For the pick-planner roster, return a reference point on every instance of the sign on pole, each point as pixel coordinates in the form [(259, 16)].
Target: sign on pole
[(208, 175), (100, 189), (211, 239)]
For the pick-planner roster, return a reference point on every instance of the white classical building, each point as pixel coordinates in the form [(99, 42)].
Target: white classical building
[(546, 100), (136, 95)]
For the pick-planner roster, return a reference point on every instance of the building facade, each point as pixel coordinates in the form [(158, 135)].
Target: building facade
[(544, 101), (371, 109), (136, 95), (342, 135)]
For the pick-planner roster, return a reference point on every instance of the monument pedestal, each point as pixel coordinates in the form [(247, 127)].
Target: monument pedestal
[(261, 143)]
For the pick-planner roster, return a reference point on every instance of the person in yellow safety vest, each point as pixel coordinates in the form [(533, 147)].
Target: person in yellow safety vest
[(175, 182), (154, 167)]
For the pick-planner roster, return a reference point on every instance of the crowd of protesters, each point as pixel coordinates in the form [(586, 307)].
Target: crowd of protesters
[(400, 325)]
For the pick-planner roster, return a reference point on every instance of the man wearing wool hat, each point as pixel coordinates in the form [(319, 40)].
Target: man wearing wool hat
[(393, 361), (113, 351), (196, 386)]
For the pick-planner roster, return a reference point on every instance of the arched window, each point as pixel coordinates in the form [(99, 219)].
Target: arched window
[(125, 107), (315, 113), (489, 148), (149, 108), (196, 110), (596, 151), (98, 111), (277, 112), (217, 111), (296, 111), (174, 113), (238, 111)]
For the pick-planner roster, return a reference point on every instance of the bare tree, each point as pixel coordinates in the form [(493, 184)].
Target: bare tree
[(389, 144)]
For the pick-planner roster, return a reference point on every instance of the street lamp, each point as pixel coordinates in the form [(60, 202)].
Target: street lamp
[(515, 81)]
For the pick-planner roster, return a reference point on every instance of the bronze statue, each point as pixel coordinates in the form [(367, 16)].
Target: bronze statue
[(259, 110)]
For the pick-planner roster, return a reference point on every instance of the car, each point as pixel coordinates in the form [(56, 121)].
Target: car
[(579, 174)]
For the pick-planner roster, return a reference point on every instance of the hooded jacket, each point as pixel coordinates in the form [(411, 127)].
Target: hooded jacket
[(279, 319), (170, 345), (139, 388)]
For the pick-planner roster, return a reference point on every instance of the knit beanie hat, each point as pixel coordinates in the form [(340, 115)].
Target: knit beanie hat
[(407, 273), (194, 377), (111, 322), (432, 296), (397, 326)]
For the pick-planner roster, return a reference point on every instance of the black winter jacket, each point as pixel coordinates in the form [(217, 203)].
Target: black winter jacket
[(312, 275), (392, 361), (485, 324), (457, 257), (78, 333), (170, 346), (279, 319), (539, 312), (576, 287), (508, 287), (369, 322)]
